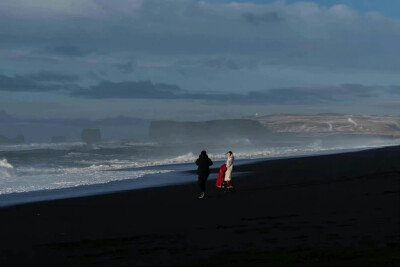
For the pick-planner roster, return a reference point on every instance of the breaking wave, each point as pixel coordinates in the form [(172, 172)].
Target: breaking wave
[(70, 145), (6, 169), (68, 180), (35, 169), (36, 146)]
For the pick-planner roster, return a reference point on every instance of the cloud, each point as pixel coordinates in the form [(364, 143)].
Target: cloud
[(150, 90), (218, 63), (45, 9), (20, 84), (268, 17), (296, 34), (130, 89), (126, 7), (206, 50), (338, 94), (68, 50), (37, 82), (146, 89), (126, 67), (47, 76), (301, 34)]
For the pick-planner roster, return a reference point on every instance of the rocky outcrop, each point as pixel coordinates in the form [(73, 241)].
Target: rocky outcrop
[(331, 124), (20, 139), (208, 131), (91, 136)]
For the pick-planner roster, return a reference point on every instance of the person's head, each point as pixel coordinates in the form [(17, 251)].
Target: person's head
[(230, 154), (203, 153)]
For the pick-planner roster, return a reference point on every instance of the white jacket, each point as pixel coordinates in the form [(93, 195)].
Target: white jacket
[(229, 166)]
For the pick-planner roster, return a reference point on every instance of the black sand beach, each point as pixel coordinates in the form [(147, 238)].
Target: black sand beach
[(333, 210)]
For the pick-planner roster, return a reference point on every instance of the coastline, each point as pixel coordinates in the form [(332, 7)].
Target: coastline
[(327, 210), (174, 174)]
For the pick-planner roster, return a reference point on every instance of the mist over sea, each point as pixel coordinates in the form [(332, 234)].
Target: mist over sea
[(45, 167)]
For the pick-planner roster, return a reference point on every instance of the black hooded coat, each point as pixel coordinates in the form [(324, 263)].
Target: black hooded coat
[(203, 163)]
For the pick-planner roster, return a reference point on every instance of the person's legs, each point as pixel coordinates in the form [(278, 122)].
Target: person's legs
[(202, 183)]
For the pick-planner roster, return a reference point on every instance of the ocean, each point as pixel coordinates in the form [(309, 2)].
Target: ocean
[(43, 171)]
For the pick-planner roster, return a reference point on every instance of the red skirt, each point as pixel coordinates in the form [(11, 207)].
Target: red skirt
[(221, 176)]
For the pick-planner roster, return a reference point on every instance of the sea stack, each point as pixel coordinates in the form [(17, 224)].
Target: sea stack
[(91, 136), (20, 139)]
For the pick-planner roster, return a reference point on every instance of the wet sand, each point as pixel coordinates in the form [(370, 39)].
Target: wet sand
[(333, 210)]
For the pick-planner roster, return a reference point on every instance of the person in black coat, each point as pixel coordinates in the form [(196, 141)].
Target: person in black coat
[(203, 169)]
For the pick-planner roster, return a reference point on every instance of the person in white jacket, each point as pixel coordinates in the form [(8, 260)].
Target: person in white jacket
[(229, 167)]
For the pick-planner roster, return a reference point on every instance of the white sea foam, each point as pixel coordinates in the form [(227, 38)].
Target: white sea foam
[(34, 146), (352, 122), (67, 180), (118, 164), (6, 169), (69, 145), (78, 171)]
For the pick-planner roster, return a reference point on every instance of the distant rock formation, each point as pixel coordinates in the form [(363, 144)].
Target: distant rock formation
[(91, 136), (331, 124), (20, 139), (58, 139), (208, 131)]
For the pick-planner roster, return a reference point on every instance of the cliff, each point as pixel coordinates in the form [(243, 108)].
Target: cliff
[(331, 124), (208, 131), (20, 139)]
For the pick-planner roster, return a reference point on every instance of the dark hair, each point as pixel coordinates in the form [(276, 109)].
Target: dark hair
[(230, 152), (203, 152)]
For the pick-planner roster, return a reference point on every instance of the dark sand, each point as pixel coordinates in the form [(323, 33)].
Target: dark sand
[(335, 210)]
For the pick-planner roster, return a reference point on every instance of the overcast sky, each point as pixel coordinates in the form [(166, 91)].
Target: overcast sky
[(188, 59)]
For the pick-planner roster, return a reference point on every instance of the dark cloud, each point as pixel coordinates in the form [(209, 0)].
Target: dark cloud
[(20, 84), (268, 17), (47, 76), (311, 35), (130, 89), (219, 63), (56, 82), (37, 82), (339, 94), (149, 90), (347, 92), (68, 50), (126, 67)]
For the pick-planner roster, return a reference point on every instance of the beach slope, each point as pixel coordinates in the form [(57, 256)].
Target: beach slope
[(332, 210)]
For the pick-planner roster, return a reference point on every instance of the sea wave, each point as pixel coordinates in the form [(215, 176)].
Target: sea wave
[(71, 145), (105, 165), (36, 146), (81, 167), (67, 180), (113, 164), (6, 169)]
